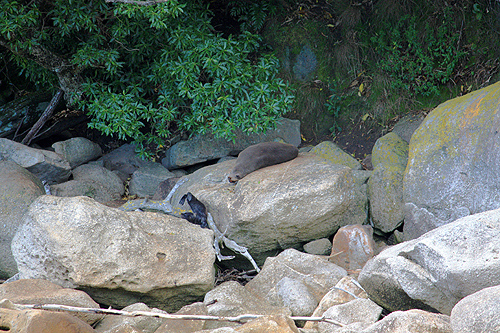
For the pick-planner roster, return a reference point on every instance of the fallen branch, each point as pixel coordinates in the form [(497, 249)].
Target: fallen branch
[(238, 319), (219, 237), (43, 119), (166, 207)]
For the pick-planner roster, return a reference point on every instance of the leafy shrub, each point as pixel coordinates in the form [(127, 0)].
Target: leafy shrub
[(334, 105), (146, 70), (251, 15), (419, 57)]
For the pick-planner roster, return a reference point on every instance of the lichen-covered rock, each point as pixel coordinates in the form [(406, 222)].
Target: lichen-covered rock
[(453, 159), (330, 151), (385, 186), (117, 257)]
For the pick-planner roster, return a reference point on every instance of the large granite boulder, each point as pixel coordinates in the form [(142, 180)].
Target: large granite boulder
[(438, 269), (18, 189), (453, 162), (117, 257), (280, 206)]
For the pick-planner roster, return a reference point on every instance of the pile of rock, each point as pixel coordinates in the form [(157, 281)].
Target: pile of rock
[(440, 189)]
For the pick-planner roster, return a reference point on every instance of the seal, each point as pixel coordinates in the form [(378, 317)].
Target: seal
[(261, 155), (199, 214)]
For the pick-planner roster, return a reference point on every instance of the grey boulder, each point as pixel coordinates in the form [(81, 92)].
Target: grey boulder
[(452, 165), (18, 189), (77, 151), (93, 181), (117, 257), (479, 312), (280, 206), (44, 164), (438, 269)]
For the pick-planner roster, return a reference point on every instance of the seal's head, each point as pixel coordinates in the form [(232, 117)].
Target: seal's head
[(234, 176)]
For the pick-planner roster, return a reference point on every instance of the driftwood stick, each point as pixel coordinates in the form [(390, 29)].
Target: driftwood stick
[(219, 237), (43, 119), (238, 319), (176, 186)]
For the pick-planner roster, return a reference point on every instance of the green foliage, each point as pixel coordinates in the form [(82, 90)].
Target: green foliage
[(251, 15), (149, 69), (335, 104), (419, 57)]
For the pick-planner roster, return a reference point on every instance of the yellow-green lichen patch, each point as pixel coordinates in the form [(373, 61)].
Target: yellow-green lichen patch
[(330, 151), (453, 155), (390, 150), (454, 125)]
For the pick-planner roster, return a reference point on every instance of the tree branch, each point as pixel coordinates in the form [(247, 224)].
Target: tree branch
[(43, 119), (141, 3), (67, 73)]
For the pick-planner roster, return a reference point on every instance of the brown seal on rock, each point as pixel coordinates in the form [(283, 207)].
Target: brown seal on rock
[(261, 155)]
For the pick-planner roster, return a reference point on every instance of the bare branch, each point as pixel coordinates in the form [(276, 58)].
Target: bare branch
[(141, 3), (238, 319), (43, 119)]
